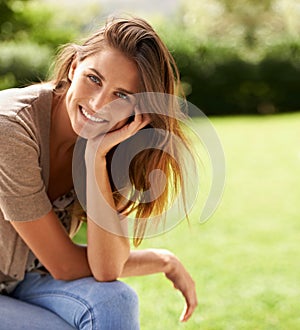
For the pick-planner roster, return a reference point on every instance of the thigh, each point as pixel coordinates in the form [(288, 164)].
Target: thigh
[(84, 303), (19, 315)]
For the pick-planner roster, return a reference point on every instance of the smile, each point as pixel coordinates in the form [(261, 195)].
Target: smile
[(90, 117)]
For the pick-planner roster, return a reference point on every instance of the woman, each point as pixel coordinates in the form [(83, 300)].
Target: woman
[(93, 95)]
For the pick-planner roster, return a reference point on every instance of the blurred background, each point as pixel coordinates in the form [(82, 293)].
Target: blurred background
[(235, 56), (240, 64)]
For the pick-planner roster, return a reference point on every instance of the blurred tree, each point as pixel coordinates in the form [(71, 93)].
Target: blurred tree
[(249, 15), (247, 25), (238, 56), (31, 31), (29, 20), (10, 18)]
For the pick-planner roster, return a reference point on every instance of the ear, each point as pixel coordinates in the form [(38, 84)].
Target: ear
[(72, 69)]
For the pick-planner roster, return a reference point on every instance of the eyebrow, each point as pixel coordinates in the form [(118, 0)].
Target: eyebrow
[(102, 78)]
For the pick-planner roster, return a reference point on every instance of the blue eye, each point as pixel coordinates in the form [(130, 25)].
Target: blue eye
[(94, 79), (122, 96)]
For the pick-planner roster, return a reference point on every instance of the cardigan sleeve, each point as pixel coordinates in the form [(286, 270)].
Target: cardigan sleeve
[(23, 195)]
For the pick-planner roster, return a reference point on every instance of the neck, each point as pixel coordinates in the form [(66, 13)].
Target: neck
[(62, 135)]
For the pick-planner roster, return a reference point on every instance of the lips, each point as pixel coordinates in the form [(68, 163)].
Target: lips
[(87, 115)]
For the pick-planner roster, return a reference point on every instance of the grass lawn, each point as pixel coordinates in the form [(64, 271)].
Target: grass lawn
[(246, 258)]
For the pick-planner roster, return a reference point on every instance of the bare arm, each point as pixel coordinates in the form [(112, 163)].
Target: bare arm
[(108, 247), (51, 244), (150, 261)]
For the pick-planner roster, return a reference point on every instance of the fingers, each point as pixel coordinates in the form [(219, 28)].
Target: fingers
[(191, 304), (118, 135), (188, 310), (183, 282), (141, 119)]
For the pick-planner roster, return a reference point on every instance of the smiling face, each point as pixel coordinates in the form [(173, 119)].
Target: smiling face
[(100, 98)]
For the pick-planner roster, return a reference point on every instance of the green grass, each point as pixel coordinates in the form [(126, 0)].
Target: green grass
[(245, 259)]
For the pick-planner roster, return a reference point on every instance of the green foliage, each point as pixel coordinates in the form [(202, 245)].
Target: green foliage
[(237, 57), (237, 86), (223, 77), (30, 20), (10, 18), (30, 33), (23, 63)]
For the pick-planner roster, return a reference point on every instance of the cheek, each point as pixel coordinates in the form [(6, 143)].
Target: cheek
[(78, 86), (77, 91)]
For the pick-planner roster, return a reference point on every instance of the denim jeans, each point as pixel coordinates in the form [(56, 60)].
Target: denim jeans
[(19, 315), (83, 304)]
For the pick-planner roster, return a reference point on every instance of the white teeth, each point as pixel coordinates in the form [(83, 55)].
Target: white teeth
[(90, 117)]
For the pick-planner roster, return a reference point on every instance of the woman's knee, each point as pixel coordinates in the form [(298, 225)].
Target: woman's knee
[(84, 303), (113, 305), (120, 297), (127, 298)]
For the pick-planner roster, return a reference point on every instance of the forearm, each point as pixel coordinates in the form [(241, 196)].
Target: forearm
[(76, 265), (108, 247), (146, 262)]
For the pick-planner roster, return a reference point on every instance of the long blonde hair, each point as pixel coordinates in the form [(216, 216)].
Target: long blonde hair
[(158, 72)]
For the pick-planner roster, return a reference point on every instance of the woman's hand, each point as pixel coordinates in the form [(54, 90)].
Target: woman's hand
[(183, 282), (112, 138), (151, 261)]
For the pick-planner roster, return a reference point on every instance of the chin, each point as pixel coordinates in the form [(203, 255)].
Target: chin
[(87, 134)]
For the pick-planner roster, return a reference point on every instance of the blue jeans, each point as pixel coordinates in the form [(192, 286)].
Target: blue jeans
[(19, 315), (83, 304)]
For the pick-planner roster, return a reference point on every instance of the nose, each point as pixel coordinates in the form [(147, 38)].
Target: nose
[(100, 101)]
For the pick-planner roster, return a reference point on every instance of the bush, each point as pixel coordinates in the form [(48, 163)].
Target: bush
[(219, 82), (217, 78), (23, 63)]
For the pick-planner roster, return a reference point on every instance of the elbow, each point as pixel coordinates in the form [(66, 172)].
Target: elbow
[(107, 275), (106, 271)]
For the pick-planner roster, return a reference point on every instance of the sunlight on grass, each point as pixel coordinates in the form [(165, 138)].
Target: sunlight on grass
[(245, 259)]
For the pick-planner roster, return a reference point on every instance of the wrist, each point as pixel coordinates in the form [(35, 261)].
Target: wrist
[(95, 164), (171, 264), (93, 156), (100, 162), (167, 259)]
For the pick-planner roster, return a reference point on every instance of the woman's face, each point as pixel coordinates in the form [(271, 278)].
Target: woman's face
[(96, 82)]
